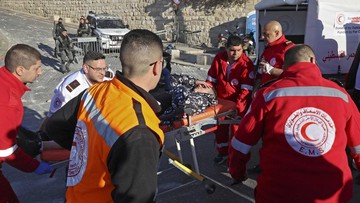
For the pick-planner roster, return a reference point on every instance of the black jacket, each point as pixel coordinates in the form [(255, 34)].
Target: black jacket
[(65, 43), (57, 30), (83, 30)]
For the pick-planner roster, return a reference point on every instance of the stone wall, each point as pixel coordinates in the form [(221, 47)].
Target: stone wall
[(211, 17)]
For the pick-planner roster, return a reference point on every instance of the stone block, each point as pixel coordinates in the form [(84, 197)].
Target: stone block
[(67, 20), (175, 53), (204, 59), (56, 17)]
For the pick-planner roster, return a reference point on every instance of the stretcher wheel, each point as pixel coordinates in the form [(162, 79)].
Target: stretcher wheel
[(210, 188)]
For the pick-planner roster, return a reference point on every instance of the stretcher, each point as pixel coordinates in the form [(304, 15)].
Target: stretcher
[(184, 129), (190, 127)]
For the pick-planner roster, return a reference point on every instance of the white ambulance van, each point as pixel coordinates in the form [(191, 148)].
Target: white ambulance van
[(330, 27)]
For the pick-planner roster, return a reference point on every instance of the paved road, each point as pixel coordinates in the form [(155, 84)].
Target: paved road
[(174, 186)]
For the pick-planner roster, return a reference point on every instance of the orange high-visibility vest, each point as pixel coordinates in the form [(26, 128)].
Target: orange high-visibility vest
[(107, 110)]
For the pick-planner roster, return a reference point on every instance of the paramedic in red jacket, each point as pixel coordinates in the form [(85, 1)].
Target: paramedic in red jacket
[(22, 65), (231, 75), (305, 123), (272, 59)]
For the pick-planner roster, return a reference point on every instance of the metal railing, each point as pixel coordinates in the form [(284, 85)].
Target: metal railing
[(81, 45)]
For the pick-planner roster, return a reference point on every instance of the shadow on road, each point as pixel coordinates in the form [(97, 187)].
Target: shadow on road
[(46, 48), (49, 61)]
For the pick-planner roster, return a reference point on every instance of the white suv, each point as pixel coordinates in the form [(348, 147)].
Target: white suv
[(109, 30)]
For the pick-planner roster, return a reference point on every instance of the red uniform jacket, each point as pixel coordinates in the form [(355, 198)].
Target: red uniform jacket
[(11, 111), (305, 123), (274, 54), (238, 85)]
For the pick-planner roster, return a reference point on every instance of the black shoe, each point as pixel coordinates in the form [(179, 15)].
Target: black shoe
[(62, 71), (67, 67), (255, 170), (220, 158)]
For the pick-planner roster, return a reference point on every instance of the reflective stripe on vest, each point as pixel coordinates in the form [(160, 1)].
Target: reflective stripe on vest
[(107, 111), (305, 91), (102, 126)]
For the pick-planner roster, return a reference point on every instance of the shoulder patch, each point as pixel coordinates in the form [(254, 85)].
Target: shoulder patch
[(109, 74), (74, 84)]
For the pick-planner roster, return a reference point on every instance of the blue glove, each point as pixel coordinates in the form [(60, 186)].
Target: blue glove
[(44, 168)]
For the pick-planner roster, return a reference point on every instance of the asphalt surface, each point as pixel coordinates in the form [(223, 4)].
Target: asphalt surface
[(173, 185)]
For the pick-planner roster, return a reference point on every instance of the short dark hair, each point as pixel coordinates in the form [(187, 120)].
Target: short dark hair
[(298, 53), (21, 55), (233, 40), (138, 48), (93, 56)]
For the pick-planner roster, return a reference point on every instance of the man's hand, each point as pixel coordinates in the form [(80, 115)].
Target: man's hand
[(265, 67), (204, 87), (43, 168)]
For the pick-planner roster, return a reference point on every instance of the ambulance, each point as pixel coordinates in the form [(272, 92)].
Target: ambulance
[(330, 27)]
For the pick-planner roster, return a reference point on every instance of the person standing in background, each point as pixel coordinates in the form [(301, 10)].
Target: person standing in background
[(57, 30), (272, 59), (66, 51), (84, 28)]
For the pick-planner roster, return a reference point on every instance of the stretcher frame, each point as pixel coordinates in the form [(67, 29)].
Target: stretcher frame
[(193, 129)]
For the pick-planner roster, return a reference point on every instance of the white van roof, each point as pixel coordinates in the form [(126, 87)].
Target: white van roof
[(264, 4)]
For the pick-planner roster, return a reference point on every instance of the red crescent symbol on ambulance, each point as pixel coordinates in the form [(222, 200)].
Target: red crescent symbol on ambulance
[(303, 132), (340, 19)]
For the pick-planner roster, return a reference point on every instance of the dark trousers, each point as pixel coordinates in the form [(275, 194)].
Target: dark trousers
[(67, 57), (7, 194), (356, 97)]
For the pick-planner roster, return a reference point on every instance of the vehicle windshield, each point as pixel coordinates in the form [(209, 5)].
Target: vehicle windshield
[(110, 24)]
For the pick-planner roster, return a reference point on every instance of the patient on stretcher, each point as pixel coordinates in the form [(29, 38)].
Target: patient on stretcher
[(187, 96)]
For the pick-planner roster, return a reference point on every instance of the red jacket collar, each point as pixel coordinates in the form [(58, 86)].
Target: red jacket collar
[(302, 68), (13, 81), (242, 58), (282, 39)]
